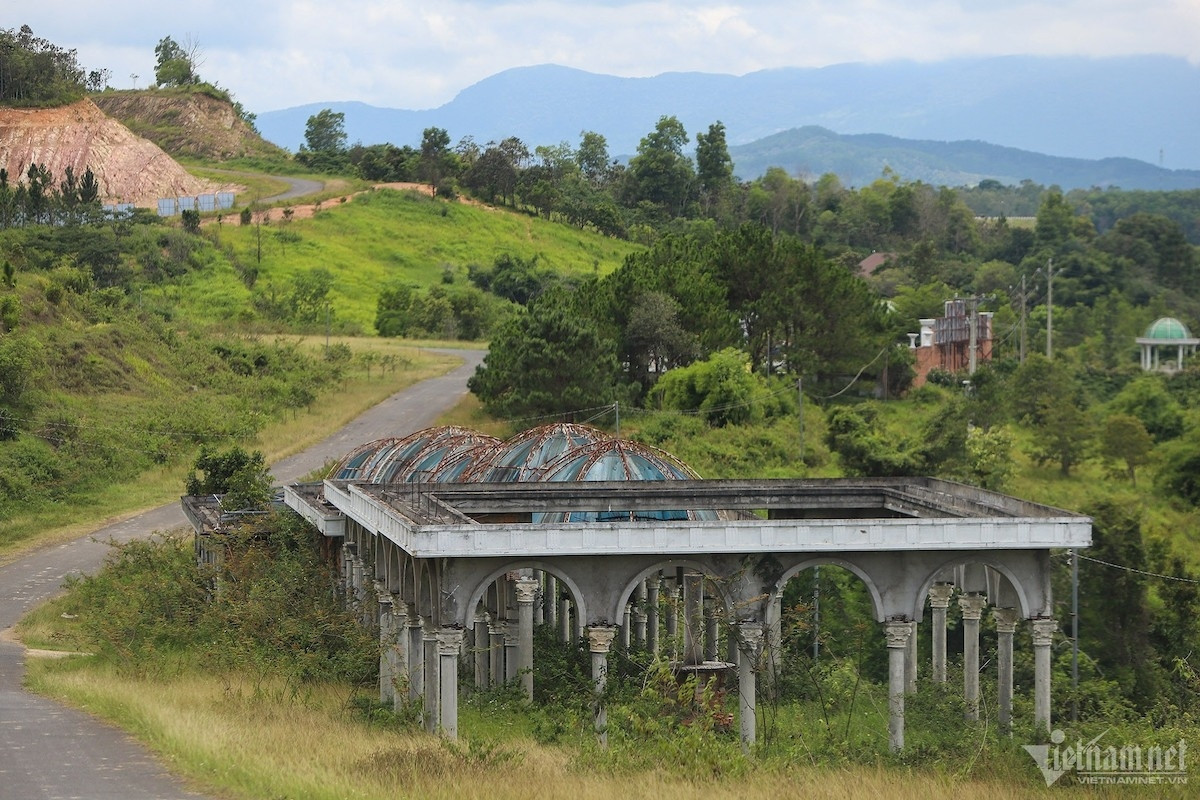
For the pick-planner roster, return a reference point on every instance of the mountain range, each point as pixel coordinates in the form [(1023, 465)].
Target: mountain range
[(1101, 115)]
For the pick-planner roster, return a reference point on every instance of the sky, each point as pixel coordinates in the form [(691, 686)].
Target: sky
[(416, 55)]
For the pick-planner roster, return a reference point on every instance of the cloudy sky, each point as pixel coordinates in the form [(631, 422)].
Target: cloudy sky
[(404, 54)]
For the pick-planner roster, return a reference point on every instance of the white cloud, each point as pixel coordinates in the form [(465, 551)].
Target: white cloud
[(419, 54)]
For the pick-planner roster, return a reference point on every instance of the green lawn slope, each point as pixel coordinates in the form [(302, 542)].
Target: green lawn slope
[(370, 241)]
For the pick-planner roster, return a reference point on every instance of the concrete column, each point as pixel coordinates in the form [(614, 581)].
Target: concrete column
[(512, 664), (712, 641), (449, 645), (1006, 626), (496, 651), (387, 650), (972, 606), (652, 585), (775, 641), (672, 620), (693, 621), (939, 601), (564, 620), (750, 643), (400, 675), (639, 614), (600, 639), (550, 601), (1043, 634), (539, 608), (416, 655), (482, 649), (432, 683), (910, 661), (898, 634), (625, 632), (526, 595)]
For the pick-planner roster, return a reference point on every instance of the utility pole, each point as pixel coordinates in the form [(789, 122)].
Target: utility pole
[(1024, 316), (1050, 309), (800, 398)]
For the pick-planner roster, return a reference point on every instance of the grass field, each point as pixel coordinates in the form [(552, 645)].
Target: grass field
[(376, 239)]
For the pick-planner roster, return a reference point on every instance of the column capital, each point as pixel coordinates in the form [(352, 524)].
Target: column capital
[(449, 641), (1044, 629), (940, 594), (527, 589), (496, 626), (382, 595), (600, 637), (1006, 619), (898, 631), (482, 617), (399, 607), (510, 633), (750, 637), (972, 605)]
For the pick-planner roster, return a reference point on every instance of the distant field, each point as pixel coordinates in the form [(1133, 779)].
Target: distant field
[(373, 240)]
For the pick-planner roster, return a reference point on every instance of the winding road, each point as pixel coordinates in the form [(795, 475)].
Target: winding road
[(50, 752)]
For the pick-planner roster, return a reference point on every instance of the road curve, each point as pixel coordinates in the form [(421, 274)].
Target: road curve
[(299, 187), (47, 751)]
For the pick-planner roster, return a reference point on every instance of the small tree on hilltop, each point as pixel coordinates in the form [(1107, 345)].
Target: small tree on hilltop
[(241, 477)]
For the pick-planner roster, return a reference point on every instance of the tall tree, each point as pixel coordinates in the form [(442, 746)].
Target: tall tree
[(325, 132), (714, 166), (177, 64), (660, 174), (435, 156)]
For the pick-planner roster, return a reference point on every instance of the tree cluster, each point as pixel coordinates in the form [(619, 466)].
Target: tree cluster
[(36, 72)]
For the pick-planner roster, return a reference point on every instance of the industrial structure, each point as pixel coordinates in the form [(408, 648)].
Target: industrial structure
[(455, 545)]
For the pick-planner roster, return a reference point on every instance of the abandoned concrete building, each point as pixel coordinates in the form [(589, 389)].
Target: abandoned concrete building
[(455, 545)]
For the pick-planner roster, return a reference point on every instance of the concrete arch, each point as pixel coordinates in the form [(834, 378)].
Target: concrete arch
[(617, 611), (466, 613), (821, 561), (1024, 605)]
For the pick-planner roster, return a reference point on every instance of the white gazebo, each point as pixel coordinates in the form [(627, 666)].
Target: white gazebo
[(1166, 333)]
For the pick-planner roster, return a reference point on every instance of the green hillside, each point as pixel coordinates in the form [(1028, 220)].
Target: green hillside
[(371, 241)]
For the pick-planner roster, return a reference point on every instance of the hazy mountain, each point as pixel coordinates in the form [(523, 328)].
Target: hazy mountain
[(859, 159), (1139, 107)]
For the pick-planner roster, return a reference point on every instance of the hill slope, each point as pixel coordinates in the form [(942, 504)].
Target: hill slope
[(129, 168), (186, 123)]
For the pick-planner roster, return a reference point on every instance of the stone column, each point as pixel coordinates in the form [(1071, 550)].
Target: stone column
[(496, 651), (387, 649), (449, 645), (693, 620), (550, 601), (898, 634), (625, 632), (972, 606), (539, 609), (526, 594), (400, 632), (1043, 634), (639, 614), (432, 683), (652, 584), (600, 639), (512, 664), (939, 601), (910, 661), (1006, 625), (712, 640), (750, 643), (416, 655), (564, 620), (483, 673), (775, 642), (672, 621)]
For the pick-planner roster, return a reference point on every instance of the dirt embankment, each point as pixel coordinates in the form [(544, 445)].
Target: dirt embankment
[(130, 169)]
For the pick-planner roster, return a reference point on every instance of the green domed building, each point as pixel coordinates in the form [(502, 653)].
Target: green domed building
[(1166, 336)]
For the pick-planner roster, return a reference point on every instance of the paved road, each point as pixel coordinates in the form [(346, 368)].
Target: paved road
[(51, 752), (299, 188)]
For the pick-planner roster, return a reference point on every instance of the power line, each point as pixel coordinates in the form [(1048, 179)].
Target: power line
[(1139, 571)]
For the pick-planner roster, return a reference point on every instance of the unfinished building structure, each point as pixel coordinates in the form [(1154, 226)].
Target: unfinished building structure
[(456, 545)]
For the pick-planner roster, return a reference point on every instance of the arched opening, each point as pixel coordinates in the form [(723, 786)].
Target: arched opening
[(826, 659)]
